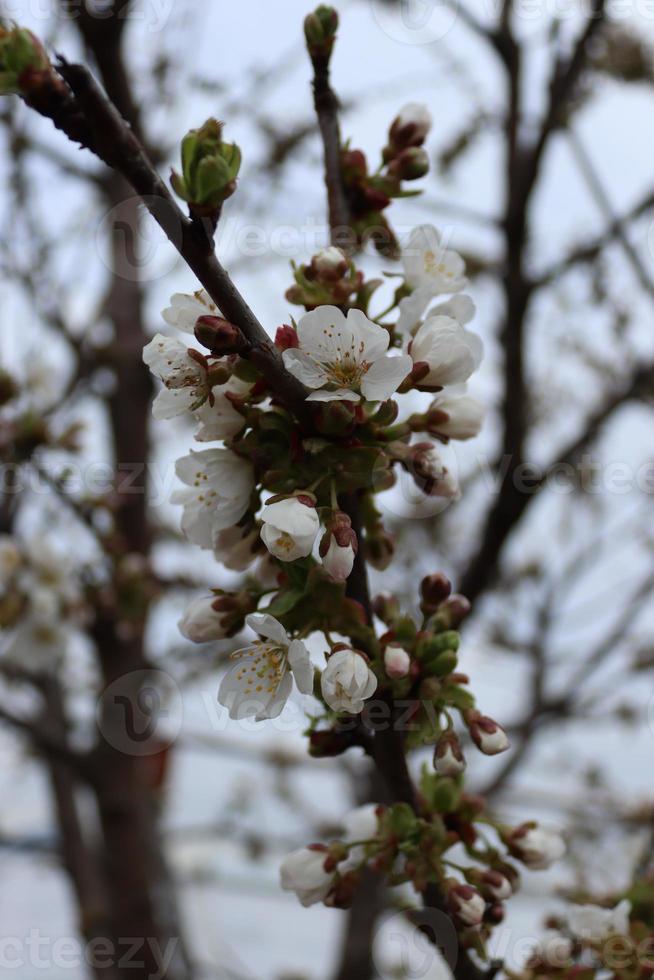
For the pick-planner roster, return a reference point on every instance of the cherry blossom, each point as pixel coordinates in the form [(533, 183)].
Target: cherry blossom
[(347, 681), (450, 351), (216, 495), (303, 872), (186, 386), (261, 680), (290, 528), (591, 922), (185, 309), (344, 359)]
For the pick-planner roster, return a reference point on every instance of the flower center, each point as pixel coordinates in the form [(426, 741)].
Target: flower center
[(347, 372), (264, 668), (433, 264)]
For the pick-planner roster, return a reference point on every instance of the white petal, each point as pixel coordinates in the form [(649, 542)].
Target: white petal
[(266, 625), (325, 334), (384, 377), (304, 368), (370, 336), (341, 395), (171, 402), (300, 663), (275, 705)]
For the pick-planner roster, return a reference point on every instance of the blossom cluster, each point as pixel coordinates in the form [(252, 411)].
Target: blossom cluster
[(271, 496)]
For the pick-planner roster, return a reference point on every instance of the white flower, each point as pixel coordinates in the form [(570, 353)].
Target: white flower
[(217, 493), (303, 872), (217, 416), (347, 681), (202, 622), (594, 923), (235, 548), (396, 661), (290, 528), (467, 904), (184, 378), (184, 310), (427, 263), (451, 352), (344, 358), (455, 416), (536, 848), (261, 681)]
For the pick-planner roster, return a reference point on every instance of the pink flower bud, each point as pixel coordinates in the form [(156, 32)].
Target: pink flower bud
[(448, 757), (535, 847), (411, 126), (338, 547), (467, 904), (496, 886), (489, 737), (397, 661)]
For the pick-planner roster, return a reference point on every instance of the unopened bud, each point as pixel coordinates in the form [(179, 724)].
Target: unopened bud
[(23, 61), (489, 737), (409, 128), (338, 547), (386, 607), (455, 609), (411, 164), (329, 264), (219, 335), (467, 904), (448, 757), (495, 885), (397, 661), (286, 337), (320, 30), (380, 549), (434, 589)]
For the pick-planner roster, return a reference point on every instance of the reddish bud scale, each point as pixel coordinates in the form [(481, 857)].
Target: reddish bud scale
[(286, 337), (219, 335)]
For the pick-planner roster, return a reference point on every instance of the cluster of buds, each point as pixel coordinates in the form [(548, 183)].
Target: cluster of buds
[(330, 278), (209, 169), (23, 61), (403, 159)]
